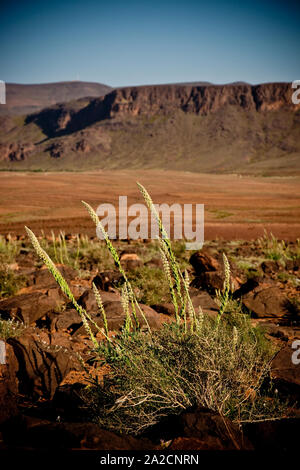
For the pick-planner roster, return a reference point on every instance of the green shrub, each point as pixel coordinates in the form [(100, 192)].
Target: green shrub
[(221, 363), (272, 248), (150, 285), (10, 329), (9, 249), (9, 282), (278, 250), (220, 366)]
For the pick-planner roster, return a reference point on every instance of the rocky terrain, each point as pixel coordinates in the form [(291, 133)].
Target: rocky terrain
[(41, 378), (239, 127)]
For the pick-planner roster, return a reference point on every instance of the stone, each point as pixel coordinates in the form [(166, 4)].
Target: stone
[(116, 317), (130, 261), (88, 300), (270, 266), (38, 434), (274, 435), (30, 307), (265, 302), (155, 263), (214, 280), (203, 262), (108, 279), (40, 366), (42, 278), (286, 374), (200, 429), (8, 385)]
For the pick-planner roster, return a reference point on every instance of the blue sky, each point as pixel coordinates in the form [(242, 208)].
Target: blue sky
[(132, 43)]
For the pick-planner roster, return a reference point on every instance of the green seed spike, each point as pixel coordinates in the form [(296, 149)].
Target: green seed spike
[(116, 258), (62, 283), (101, 308)]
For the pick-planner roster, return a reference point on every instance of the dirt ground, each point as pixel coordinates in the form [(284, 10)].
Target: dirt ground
[(235, 207)]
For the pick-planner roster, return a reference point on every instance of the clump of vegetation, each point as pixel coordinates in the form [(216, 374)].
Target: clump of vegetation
[(278, 250), (271, 247), (10, 283), (9, 249), (149, 284), (10, 329), (220, 366), (81, 253), (222, 363)]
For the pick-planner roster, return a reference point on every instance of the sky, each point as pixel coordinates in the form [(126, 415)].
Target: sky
[(123, 43)]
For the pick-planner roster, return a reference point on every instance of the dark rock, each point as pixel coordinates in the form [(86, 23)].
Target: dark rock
[(30, 307), (68, 402), (283, 333), (203, 262), (37, 434), (116, 317), (286, 374), (248, 286), (88, 301), (202, 428), (67, 320), (42, 278), (270, 266), (8, 387), (265, 302), (202, 299), (108, 279), (274, 435), (130, 261), (167, 308), (155, 263), (292, 264), (214, 429), (40, 367), (199, 299), (212, 280)]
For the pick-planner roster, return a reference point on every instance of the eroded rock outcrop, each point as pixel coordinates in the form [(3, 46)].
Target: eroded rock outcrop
[(15, 152)]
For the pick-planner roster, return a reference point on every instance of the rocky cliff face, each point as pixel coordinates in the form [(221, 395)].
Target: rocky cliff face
[(164, 100), (197, 99)]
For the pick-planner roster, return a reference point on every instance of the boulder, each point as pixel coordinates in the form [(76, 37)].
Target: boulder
[(266, 302), (130, 261), (286, 374), (199, 299), (8, 385), (40, 366), (116, 317), (155, 262), (213, 280), (270, 266), (107, 280), (292, 264), (200, 429), (30, 307), (36, 434), (88, 301), (42, 278), (68, 320), (274, 435), (203, 262)]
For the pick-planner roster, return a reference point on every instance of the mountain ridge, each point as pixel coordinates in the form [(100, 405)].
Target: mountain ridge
[(26, 98), (221, 128)]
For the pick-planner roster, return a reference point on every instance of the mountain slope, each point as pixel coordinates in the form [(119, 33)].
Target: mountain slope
[(24, 99), (211, 128)]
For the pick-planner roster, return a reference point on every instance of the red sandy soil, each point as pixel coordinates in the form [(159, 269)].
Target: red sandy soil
[(235, 207)]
